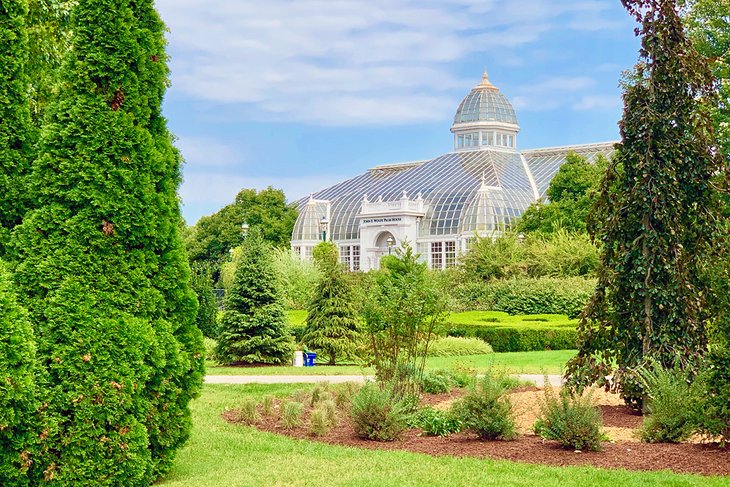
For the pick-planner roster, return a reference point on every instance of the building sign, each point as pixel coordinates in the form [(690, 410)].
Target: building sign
[(381, 220)]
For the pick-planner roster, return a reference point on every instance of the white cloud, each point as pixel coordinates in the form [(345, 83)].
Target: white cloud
[(349, 62), (202, 152), (598, 102)]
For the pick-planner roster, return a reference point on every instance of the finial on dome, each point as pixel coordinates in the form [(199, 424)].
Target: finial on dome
[(485, 82)]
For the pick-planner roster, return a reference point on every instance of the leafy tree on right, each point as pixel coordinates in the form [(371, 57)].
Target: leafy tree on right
[(657, 214)]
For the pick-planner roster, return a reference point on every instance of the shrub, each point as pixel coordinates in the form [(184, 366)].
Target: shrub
[(267, 405), (209, 345), (714, 411), (319, 423), (486, 410), (670, 399), (436, 382), (435, 422), (345, 392), (291, 414), (202, 283), (452, 346), (249, 413), (514, 339), (298, 277), (571, 420), (377, 414)]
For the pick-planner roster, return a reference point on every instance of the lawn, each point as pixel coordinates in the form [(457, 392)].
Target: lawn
[(547, 362), (498, 318), (223, 455)]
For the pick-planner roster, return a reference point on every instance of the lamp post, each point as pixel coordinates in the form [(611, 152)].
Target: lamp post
[(323, 226), (521, 238), (390, 241), (244, 230)]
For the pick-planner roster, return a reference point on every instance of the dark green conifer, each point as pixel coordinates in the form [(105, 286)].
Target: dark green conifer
[(15, 126), (254, 324), (332, 319), (17, 388), (101, 263), (207, 303)]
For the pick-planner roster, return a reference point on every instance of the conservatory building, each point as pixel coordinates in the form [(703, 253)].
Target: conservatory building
[(437, 205)]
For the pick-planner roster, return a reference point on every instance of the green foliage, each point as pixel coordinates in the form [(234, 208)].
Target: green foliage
[(570, 419), (254, 325), (452, 346), (18, 402), (486, 410), (402, 309), (571, 193), (249, 412), (512, 339), (299, 278), (291, 414), (100, 262), (714, 418), (556, 254), (656, 215), (16, 135), (265, 212), (319, 424), (202, 282), (671, 399), (436, 382), (378, 414), (332, 319), (435, 422)]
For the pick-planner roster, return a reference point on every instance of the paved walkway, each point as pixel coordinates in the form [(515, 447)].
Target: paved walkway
[(555, 380)]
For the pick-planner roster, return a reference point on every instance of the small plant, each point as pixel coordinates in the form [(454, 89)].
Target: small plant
[(486, 410), (436, 382), (344, 393), (457, 346), (330, 409), (303, 396), (321, 392), (670, 402), (319, 423), (291, 414), (434, 422), (267, 405), (463, 375), (249, 413), (571, 420), (377, 414)]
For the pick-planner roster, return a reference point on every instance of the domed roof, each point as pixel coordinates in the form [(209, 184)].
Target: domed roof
[(485, 103)]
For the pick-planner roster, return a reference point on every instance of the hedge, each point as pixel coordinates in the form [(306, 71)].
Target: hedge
[(547, 295), (519, 339)]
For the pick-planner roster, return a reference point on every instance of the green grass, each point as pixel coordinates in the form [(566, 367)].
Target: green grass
[(548, 362), (223, 455), (498, 318)]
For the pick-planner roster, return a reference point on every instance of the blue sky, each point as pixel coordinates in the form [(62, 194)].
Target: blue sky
[(301, 94)]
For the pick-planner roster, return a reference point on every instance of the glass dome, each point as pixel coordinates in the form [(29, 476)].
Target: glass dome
[(485, 103)]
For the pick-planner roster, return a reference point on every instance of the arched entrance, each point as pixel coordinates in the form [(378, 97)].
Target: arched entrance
[(382, 245)]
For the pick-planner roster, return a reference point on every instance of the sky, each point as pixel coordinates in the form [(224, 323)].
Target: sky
[(302, 94)]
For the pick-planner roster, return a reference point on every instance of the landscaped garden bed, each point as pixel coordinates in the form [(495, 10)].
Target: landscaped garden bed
[(624, 450)]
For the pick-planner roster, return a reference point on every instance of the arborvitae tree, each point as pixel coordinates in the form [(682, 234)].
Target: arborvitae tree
[(15, 126), (18, 404), (332, 318), (254, 325), (101, 263), (656, 216), (207, 303)]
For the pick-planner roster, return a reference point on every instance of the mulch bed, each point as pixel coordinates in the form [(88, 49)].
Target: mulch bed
[(703, 459)]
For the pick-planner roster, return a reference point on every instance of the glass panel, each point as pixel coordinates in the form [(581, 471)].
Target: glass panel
[(436, 255)]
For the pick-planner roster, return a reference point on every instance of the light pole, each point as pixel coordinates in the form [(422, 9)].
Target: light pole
[(323, 226), (390, 241), (521, 238), (244, 230)]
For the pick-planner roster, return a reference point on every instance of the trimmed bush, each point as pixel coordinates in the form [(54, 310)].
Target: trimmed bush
[(506, 339), (486, 410), (571, 420), (452, 346), (714, 416), (377, 414)]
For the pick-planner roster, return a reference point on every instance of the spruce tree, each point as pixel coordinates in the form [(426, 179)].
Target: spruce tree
[(15, 125), (656, 217), (17, 388), (254, 325), (207, 303), (100, 260), (332, 319)]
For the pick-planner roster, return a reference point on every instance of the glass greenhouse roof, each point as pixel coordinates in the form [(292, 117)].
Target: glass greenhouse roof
[(484, 104)]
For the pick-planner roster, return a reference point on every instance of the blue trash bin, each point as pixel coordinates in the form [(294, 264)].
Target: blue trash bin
[(311, 357)]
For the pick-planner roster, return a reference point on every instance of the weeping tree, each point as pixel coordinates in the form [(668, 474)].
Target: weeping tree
[(100, 262), (332, 318), (656, 217), (254, 328), (15, 123)]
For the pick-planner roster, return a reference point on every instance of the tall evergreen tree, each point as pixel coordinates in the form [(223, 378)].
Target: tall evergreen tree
[(100, 260), (332, 319), (656, 216), (15, 126), (207, 303), (17, 388), (254, 326)]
